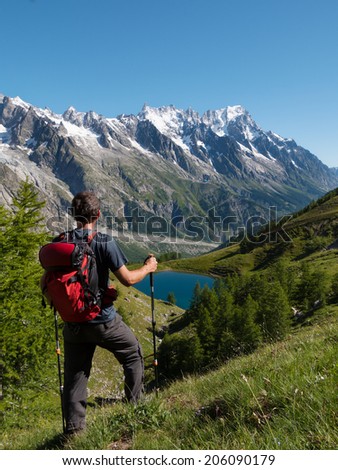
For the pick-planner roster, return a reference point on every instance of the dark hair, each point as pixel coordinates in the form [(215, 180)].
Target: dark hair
[(85, 207)]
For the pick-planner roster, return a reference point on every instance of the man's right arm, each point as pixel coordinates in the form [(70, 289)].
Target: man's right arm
[(130, 277)]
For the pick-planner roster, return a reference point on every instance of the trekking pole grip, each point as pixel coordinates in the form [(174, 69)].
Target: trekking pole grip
[(152, 298)]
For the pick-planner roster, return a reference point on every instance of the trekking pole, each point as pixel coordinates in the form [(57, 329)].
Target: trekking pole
[(58, 353), (153, 322)]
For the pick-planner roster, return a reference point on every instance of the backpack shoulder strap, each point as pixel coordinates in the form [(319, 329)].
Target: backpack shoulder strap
[(59, 238), (64, 236), (70, 237)]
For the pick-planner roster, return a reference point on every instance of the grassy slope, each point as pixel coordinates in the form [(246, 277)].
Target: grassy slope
[(135, 308), (321, 220), (281, 396)]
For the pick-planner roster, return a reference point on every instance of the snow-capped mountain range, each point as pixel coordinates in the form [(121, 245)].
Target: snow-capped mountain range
[(163, 161)]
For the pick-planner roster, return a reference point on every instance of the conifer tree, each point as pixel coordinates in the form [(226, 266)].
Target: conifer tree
[(225, 341), (239, 287), (180, 354), (247, 332), (195, 302), (25, 331), (205, 321), (274, 312), (205, 331), (282, 273), (313, 286), (256, 286)]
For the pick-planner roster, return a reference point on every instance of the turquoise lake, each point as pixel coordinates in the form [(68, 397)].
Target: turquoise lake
[(181, 284)]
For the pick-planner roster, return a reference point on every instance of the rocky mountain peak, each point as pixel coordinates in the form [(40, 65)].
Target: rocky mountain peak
[(225, 121), (73, 116)]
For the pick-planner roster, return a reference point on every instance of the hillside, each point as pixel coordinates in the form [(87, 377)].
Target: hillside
[(280, 397), (135, 309), (303, 236)]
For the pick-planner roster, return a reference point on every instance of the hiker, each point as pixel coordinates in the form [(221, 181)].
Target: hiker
[(107, 329)]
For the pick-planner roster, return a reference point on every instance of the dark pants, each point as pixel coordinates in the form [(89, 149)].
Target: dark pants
[(80, 341)]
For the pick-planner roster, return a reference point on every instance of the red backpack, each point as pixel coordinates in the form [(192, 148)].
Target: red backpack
[(70, 282)]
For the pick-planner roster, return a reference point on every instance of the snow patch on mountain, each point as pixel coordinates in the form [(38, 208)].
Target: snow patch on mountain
[(233, 112), (17, 101), (295, 164), (222, 121), (82, 134), (169, 121), (4, 134)]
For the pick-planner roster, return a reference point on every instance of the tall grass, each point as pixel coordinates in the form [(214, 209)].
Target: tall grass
[(281, 397)]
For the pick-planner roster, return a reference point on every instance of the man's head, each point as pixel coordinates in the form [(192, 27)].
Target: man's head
[(85, 207)]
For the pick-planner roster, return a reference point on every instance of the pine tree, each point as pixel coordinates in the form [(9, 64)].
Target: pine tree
[(225, 341), (274, 312), (179, 354), (205, 321), (256, 286), (282, 272), (247, 332), (25, 329), (313, 286), (202, 313), (192, 312), (239, 287), (205, 332)]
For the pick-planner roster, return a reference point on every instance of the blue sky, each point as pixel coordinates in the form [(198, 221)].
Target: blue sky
[(278, 59)]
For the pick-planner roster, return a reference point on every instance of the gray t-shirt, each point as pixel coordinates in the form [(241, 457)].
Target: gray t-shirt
[(109, 257)]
